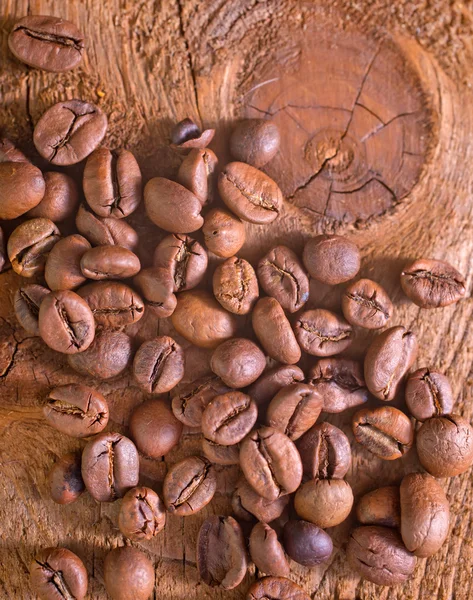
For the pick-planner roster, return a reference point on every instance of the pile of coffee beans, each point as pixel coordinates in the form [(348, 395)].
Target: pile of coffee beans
[(257, 409)]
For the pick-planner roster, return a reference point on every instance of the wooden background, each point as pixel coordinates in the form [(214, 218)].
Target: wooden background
[(149, 64)]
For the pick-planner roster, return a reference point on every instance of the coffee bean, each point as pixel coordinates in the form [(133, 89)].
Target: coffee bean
[(76, 410), (62, 270), (366, 304), (10, 153), (321, 332), (113, 304), (29, 245), (26, 303), (108, 356), (48, 43), (324, 502), (22, 187), (66, 322), (184, 258), (159, 365), (128, 574), (274, 331), (235, 285), (171, 206), (445, 445), (340, 382), (197, 172), (428, 394), (380, 507), (103, 231), (248, 504), (271, 463), (294, 409), (189, 486), (388, 359), (385, 431), (331, 259), (228, 418), (221, 552), (325, 452), (142, 514), (109, 262), (276, 587), (189, 403), (255, 141), (187, 135), (271, 381), (306, 543), (58, 573), (3, 250), (432, 283), (250, 193), (238, 362), (267, 552), (65, 479), (69, 131), (224, 233), (110, 466), (221, 455), (154, 428), (156, 285), (60, 199)]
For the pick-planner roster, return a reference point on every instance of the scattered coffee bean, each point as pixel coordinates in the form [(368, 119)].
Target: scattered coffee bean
[(154, 429), (238, 362), (306, 543), (10, 153), (228, 418), (22, 187), (428, 394), (325, 452), (142, 514), (113, 304), (380, 507), (156, 285), (109, 262), (187, 135), (108, 356), (171, 206), (276, 587), (224, 233), (255, 141), (273, 380), (221, 455), (29, 245), (60, 199), (105, 231), (432, 283), (65, 479), (189, 486), (159, 365), (128, 574), (58, 573), (324, 502), (366, 304), (189, 403), (197, 172), (321, 332), (184, 258), (274, 331), (294, 409), (331, 259), (235, 285), (26, 303), (248, 504), (62, 270), (267, 552)]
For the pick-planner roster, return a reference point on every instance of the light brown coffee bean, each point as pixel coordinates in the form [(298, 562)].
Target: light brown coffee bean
[(380, 507), (238, 362), (324, 502), (29, 245), (271, 381), (321, 332), (109, 262), (142, 514), (62, 270), (184, 258), (22, 187), (228, 418), (294, 409), (26, 303), (366, 304), (432, 283), (189, 486), (248, 504), (158, 365), (235, 285), (189, 403), (428, 394), (172, 207), (267, 552), (224, 233), (197, 172), (325, 452)]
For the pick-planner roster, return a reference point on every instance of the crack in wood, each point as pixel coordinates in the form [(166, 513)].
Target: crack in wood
[(182, 33)]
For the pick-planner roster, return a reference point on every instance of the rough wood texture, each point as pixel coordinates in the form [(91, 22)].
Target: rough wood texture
[(375, 105)]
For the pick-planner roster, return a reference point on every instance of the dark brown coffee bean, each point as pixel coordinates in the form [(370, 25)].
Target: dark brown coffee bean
[(58, 573), (306, 543), (65, 479), (274, 331), (66, 322), (154, 428), (235, 285), (267, 552), (184, 258), (103, 231), (331, 259), (224, 233), (221, 455), (109, 262), (432, 283), (228, 418), (189, 486), (321, 332), (128, 574), (325, 452), (388, 359), (271, 463), (238, 362), (187, 135), (60, 199), (273, 380), (255, 141), (171, 206), (10, 153), (113, 304), (380, 507), (324, 502), (197, 172), (29, 245), (221, 553), (110, 466), (366, 304), (142, 514), (62, 270), (108, 356), (250, 193), (159, 365), (26, 303), (191, 399), (294, 409), (428, 394), (277, 588), (69, 131), (22, 188), (385, 431), (48, 43), (76, 410), (247, 504)]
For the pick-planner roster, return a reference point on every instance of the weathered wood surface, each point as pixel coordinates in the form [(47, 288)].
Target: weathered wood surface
[(149, 64)]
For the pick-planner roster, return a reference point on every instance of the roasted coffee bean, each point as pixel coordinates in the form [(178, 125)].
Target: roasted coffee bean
[(189, 403), (77, 410), (3, 250), (142, 514), (221, 553), (221, 455), (445, 445), (278, 588), (66, 322), (306, 543), (366, 304), (113, 304), (201, 320), (378, 555), (48, 43), (110, 466), (250, 193), (171, 206), (184, 258), (109, 262), (274, 331), (154, 428), (324, 502), (65, 479), (228, 418), (58, 573), (267, 552), (159, 365), (271, 463), (385, 431), (26, 302), (321, 332), (428, 394), (108, 356), (271, 381), (189, 486), (432, 283), (282, 276), (380, 507), (388, 359), (29, 245), (60, 199), (62, 270), (156, 285), (235, 285), (69, 131), (248, 504), (187, 135), (197, 172), (128, 574), (340, 382), (325, 452), (22, 188), (224, 233), (10, 153), (294, 409), (255, 141), (331, 259), (238, 362), (105, 231)]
